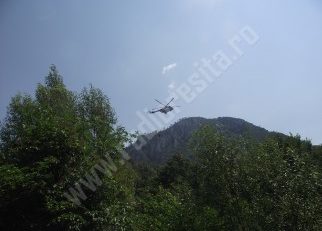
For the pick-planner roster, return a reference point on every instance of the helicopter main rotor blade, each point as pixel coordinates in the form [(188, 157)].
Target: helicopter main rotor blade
[(159, 102), (170, 102)]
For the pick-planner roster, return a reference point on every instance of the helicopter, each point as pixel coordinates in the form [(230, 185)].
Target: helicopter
[(165, 107)]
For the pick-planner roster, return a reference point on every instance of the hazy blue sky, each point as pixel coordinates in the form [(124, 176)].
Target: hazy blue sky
[(123, 46)]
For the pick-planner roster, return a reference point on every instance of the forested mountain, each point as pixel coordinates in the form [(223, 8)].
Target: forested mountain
[(63, 167), (161, 146)]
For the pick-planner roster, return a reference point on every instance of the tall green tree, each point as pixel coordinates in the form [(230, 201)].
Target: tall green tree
[(48, 143)]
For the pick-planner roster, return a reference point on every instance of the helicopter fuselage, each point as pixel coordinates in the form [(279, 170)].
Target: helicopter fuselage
[(166, 109)]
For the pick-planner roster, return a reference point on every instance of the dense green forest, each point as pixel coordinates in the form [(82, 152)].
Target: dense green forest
[(62, 168)]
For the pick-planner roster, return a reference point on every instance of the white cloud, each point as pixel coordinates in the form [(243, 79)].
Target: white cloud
[(172, 85), (168, 68)]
